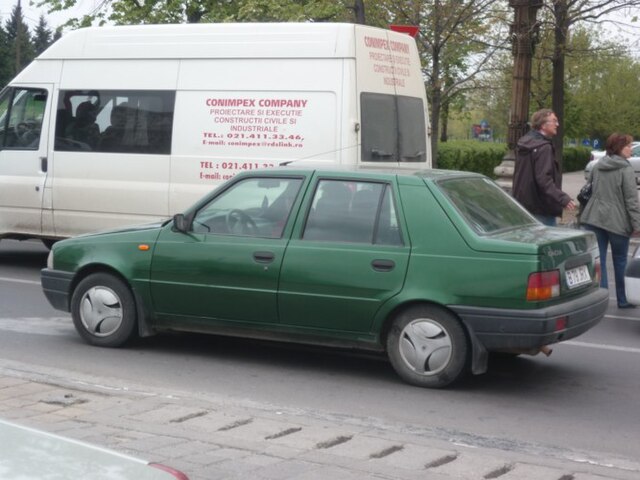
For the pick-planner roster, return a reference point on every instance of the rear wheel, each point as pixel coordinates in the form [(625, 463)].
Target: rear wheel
[(427, 346), (103, 310)]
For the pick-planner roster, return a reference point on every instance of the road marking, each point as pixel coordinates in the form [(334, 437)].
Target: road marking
[(38, 325), (599, 346), (620, 317), (16, 280)]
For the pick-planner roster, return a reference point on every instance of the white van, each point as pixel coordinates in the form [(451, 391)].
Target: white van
[(122, 125)]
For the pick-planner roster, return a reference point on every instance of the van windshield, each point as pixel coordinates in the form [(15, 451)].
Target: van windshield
[(21, 116)]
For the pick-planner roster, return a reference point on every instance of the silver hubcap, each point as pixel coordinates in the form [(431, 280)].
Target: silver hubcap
[(425, 347), (100, 311)]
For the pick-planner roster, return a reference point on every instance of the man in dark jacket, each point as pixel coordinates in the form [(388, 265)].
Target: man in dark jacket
[(536, 179)]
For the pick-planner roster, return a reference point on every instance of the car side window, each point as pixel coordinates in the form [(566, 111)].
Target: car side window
[(253, 207), (354, 212)]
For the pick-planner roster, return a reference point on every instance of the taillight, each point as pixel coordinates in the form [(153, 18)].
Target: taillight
[(543, 285), (597, 271)]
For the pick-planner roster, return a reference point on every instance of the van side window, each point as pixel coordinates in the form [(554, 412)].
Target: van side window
[(117, 121), (354, 212), (393, 128), (21, 114)]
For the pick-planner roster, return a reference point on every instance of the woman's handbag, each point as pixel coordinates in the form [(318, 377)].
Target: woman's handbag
[(585, 193)]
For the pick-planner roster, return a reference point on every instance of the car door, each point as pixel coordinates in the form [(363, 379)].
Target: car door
[(24, 121), (349, 258), (227, 266)]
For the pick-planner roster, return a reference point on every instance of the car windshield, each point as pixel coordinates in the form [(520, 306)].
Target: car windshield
[(484, 205)]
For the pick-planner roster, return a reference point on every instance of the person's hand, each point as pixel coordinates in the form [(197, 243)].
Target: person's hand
[(571, 205), (636, 234)]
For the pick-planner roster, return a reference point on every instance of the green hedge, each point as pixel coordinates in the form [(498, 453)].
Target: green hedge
[(483, 157)]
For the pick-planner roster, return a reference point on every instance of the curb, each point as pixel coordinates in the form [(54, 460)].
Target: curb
[(214, 437)]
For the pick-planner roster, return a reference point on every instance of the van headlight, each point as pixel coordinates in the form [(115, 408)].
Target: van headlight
[(50, 260)]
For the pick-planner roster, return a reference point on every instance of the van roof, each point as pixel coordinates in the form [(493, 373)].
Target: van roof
[(211, 40)]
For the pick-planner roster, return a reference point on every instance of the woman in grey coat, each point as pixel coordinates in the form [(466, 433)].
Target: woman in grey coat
[(613, 213)]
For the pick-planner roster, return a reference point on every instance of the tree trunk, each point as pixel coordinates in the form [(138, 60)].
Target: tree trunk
[(358, 9), (445, 122), (561, 31), (523, 40), (434, 86)]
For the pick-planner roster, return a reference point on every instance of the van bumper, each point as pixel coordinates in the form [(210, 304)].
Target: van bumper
[(56, 287), (510, 329)]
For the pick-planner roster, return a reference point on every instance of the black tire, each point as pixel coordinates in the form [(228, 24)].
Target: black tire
[(48, 242), (104, 311), (427, 346)]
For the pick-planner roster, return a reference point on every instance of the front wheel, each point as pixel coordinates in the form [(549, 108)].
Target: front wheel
[(103, 310), (427, 346)]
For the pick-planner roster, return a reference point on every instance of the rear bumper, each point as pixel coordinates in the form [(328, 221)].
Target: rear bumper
[(56, 287), (506, 329)]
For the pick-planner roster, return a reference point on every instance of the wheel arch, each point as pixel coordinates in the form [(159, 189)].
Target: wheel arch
[(144, 327), (478, 358)]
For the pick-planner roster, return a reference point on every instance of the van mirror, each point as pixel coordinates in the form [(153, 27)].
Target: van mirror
[(181, 223)]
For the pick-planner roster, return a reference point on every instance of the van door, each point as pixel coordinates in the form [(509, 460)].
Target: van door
[(391, 100), (24, 121)]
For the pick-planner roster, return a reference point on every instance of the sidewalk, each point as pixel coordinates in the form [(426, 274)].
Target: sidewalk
[(217, 438)]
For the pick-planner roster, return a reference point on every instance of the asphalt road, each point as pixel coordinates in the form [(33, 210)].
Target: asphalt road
[(581, 399)]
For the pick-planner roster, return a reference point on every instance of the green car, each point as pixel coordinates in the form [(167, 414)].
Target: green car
[(435, 268)]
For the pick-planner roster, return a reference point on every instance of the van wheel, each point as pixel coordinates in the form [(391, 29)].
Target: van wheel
[(48, 242), (103, 310), (427, 347)]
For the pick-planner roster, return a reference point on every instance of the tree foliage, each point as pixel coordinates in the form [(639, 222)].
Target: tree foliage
[(20, 49), (600, 91), (18, 46), (564, 16), (42, 36), (128, 12)]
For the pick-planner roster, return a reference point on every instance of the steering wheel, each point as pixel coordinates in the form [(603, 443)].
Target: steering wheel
[(238, 219), (22, 128)]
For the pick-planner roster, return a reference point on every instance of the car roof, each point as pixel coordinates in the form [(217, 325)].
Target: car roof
[(369, 171)]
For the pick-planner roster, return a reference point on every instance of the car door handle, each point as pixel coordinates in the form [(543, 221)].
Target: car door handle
[(44, 166), (383, 265), (264, 257)]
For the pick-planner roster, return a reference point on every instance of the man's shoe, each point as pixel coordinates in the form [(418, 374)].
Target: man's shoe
[(626, 305)]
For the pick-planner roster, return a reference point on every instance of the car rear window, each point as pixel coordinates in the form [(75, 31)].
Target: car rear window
[(484, 205)]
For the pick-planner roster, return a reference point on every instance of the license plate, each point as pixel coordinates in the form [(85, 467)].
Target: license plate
[(578, 276)]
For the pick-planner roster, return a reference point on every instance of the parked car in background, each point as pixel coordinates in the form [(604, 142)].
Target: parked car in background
[(634, 160), (31, 454), (435, 268), (632, 278)]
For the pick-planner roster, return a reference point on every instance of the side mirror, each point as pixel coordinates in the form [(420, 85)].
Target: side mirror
[(181, 223)]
